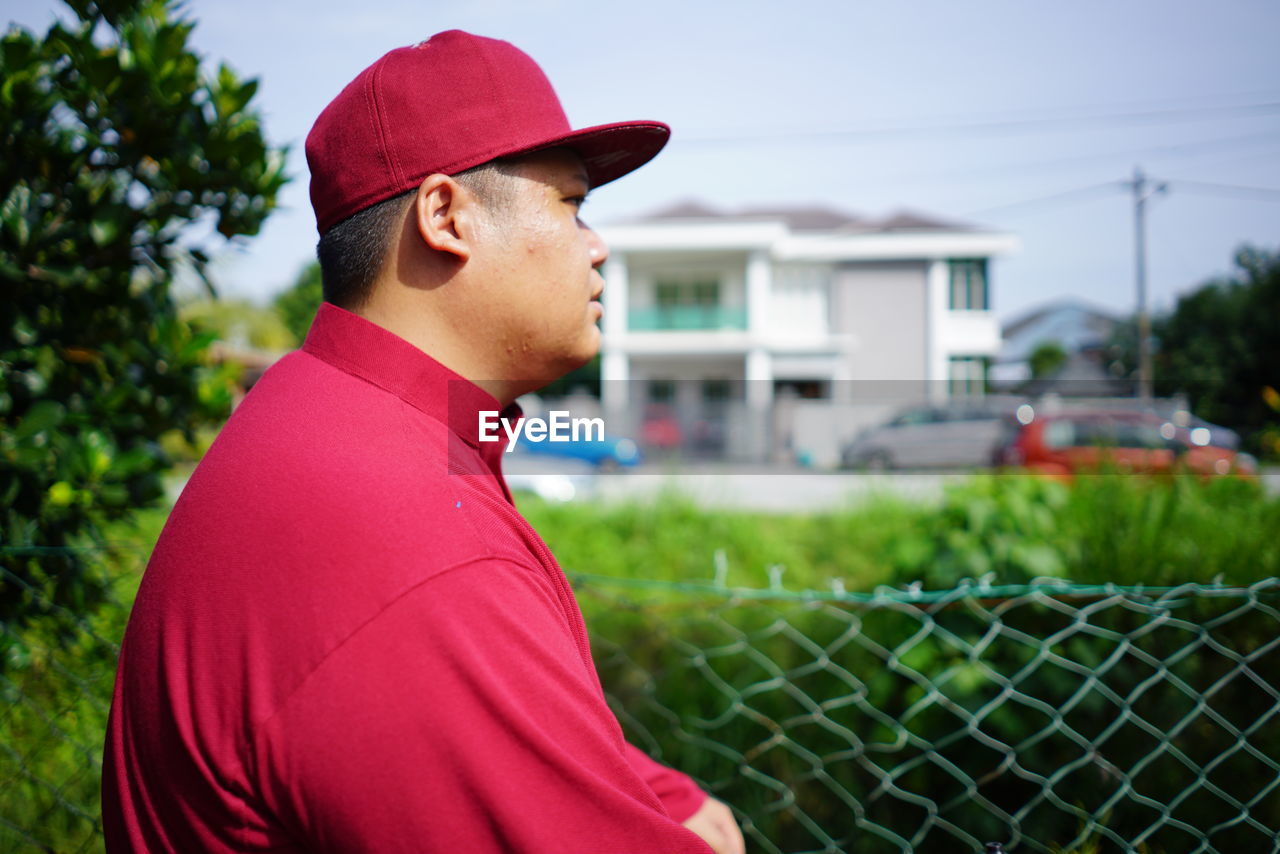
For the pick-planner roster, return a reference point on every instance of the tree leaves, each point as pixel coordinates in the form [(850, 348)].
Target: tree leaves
[(1221, 346), (117, 143), (298, 304), (43, 416)]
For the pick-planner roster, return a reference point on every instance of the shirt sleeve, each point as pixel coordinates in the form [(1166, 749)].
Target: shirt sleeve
[(463, 717), (679, 794)]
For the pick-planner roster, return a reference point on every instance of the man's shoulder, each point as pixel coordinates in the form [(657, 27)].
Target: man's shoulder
[(302, 391), (317, 457), (306, 418)]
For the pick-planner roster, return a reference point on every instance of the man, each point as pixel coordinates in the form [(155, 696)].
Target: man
[(348, 639)]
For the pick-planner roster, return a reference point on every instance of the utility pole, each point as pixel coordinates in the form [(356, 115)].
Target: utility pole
[(1141, 192)]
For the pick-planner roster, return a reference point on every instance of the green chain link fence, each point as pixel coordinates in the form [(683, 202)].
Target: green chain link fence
[(57, 669), (1049, 717)]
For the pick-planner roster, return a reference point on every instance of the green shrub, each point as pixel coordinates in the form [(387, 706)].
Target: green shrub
[(839, 726), (57, 669), (118, 144), (874, 727), (836, 723), (1009, 528)]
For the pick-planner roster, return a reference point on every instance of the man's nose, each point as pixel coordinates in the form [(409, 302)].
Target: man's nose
[(596, 247)]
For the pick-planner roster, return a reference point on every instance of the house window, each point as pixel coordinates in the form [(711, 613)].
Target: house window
[(966, 376), (969, 285), (662, 391), (704, 293), (692, 303), (716, 391), (803, 389)]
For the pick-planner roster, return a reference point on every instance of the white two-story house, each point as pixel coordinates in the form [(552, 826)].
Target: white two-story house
[(705, 308)]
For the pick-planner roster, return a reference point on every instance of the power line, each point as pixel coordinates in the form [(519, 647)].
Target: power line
[(1198, 146), (1269, 194), (1263, 149), (1052, 199), (1204, 187), (1170, 150), (1178, 150), (1015, 125)]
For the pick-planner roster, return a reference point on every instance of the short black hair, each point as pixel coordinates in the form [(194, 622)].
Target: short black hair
[(352, 252)]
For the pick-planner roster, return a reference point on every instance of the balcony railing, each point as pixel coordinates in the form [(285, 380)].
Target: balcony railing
[(686, 318)]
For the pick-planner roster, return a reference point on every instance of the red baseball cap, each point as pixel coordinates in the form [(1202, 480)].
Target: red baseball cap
[(445, 105)]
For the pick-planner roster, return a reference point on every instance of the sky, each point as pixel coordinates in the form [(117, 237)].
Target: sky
[(1022, 116)]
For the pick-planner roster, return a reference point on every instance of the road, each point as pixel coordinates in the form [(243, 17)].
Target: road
[(778, 489)]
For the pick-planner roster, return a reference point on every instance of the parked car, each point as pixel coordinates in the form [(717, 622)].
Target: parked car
[(609, 453), (1197, 431), (660, 429), (964, 435), (1066, 443)]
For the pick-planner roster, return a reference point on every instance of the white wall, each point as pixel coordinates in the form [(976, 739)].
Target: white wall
[(883, 306), (800, 301), (969, 333)]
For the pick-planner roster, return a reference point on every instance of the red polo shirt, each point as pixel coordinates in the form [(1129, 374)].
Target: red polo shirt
[(348, 640)]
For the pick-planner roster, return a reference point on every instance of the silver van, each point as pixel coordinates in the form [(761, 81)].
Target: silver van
[(960, 435)]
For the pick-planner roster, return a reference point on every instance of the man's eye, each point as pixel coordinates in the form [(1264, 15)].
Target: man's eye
[(577, 201)]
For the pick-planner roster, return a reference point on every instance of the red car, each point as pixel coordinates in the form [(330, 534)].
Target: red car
[(660, 430), (1066, 443)]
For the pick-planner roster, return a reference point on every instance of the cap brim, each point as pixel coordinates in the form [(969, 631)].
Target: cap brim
[(611, 151)]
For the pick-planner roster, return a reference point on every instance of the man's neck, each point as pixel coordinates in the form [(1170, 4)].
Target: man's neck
[(437, 340)]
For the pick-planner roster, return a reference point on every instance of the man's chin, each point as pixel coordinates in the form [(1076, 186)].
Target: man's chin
[(589, 350), (563, 367), (580, 360)]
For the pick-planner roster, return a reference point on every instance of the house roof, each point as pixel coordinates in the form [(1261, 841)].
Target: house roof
[(803, 218), (806, 218), (1074, 325), (1079, 376)]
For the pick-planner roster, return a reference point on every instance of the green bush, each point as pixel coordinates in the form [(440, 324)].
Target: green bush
[(1009, 528), (672, 539), (117, 146), (872, 726), (297, 304), (834, 723), (1102, 529), (843, 726), (57, 669)]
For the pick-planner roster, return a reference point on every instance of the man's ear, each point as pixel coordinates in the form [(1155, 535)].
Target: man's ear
[(443, 214)]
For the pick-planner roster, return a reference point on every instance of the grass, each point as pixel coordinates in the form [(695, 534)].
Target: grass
[(1119, 529), (57, 673)]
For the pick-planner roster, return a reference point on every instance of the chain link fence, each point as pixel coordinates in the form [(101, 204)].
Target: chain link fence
[(1049, 717), (57, 669)]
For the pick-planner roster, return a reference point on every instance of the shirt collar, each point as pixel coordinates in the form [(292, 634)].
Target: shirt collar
[(365, 350)]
